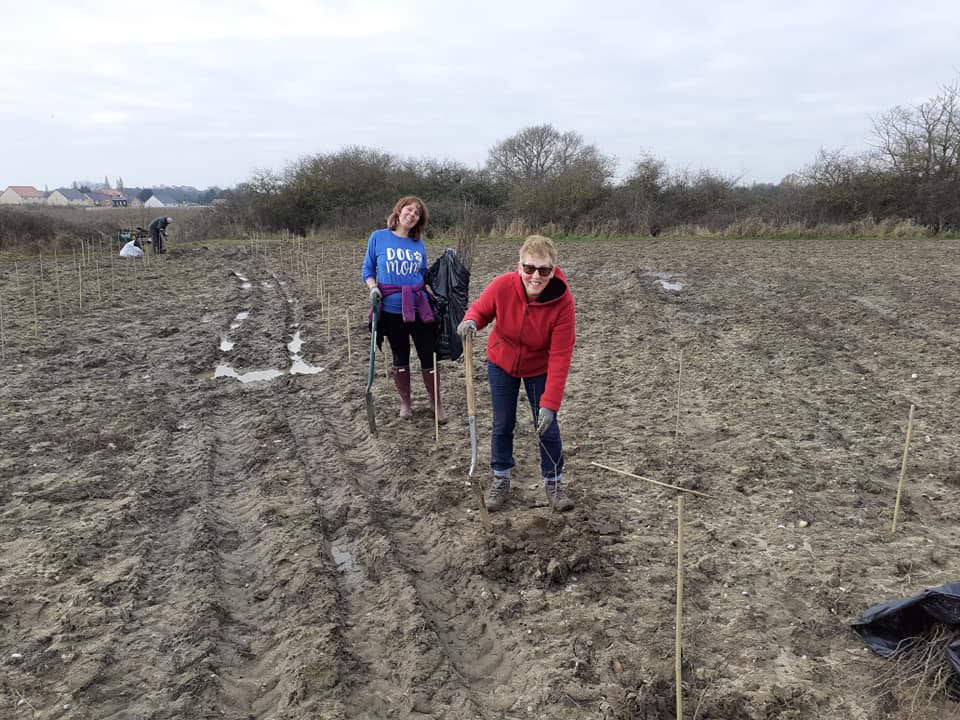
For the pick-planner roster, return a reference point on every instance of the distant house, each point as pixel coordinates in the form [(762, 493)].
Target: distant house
[(132, 199), (160, 200), (68, 197), (21, 195), (101, 199), (108, 198)]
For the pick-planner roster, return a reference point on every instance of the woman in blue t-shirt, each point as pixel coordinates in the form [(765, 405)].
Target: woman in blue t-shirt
[(394, 269)]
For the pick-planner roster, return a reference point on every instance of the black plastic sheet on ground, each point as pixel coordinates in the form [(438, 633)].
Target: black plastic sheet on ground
[(894, 625), (450, 282)]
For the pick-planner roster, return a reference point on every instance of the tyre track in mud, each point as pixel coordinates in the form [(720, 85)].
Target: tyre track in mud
[(232, 595), (409, 639)]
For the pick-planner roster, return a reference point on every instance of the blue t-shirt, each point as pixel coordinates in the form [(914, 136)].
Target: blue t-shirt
[(394, 260)]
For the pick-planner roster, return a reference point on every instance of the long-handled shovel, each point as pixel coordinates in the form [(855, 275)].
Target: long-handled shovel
[(472, 418), (371, 418)]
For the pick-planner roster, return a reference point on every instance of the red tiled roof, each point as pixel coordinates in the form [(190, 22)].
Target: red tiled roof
[(26, 191)]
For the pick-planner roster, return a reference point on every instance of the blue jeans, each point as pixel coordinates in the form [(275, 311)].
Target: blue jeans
[(504, 391)]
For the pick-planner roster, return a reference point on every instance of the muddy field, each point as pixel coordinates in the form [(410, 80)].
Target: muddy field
[(179, 545)]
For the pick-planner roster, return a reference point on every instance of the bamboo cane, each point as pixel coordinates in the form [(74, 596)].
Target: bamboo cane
[(56, 274), (59, 295), (679, 379), (16, 273), (655, 482), (318, 282), (903, 470), (36, 312), (80, 273), (2, 353), (97, 265), (678, 655), (436, 400), (41, 269)]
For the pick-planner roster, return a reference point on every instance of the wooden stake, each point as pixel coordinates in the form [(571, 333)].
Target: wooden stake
[(679, 378), (655, 482), (903, 470), (436, 400), (678, 655)]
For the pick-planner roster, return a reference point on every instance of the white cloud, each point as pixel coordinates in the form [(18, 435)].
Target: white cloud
[(175, 22), (200, 91)]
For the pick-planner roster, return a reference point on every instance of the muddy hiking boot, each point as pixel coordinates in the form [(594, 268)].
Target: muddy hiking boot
[(401, 379), (497, 493), (558, 499)]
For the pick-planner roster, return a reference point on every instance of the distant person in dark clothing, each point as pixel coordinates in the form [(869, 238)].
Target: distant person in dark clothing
[(158, 233)]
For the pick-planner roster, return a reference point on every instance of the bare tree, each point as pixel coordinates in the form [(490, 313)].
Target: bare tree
[(919, 150), (541, 152), (922, 142)]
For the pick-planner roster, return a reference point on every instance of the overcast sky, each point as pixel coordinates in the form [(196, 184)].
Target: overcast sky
[(202, 93)]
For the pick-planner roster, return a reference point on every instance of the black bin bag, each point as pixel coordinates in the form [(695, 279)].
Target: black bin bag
[(896, 624), (450, 282)]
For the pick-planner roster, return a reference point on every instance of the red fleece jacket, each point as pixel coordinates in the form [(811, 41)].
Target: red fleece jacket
[(529, 338)]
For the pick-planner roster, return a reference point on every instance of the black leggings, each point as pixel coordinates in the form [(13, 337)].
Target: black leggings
[(399, 333)]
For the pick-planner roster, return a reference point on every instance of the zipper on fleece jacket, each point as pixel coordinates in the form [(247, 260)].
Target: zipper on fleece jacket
[(523, 320)]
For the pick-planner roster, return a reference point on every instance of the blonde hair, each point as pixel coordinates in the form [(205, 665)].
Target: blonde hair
[(541, 246)]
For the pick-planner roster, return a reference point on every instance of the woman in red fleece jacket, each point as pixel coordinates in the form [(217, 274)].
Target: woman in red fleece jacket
[(532, 341)]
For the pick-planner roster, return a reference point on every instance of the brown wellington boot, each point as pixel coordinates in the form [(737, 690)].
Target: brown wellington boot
[(428, 383), (401, 378)]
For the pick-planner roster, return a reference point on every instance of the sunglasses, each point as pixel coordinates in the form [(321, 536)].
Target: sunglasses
[(544, 270)]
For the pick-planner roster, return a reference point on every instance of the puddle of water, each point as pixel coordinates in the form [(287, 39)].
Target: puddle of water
[(342, 558), (241, 316), (246, 285), (299, 367), (224, 370), (347, 567), (666, 283), (240, 276), (295, 344)]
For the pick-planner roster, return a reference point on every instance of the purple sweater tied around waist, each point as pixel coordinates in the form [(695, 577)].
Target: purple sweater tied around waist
[(413, 300)]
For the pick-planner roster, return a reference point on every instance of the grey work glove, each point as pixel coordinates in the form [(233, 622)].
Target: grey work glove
[(467, 327), (375, 295), (545, 419)]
